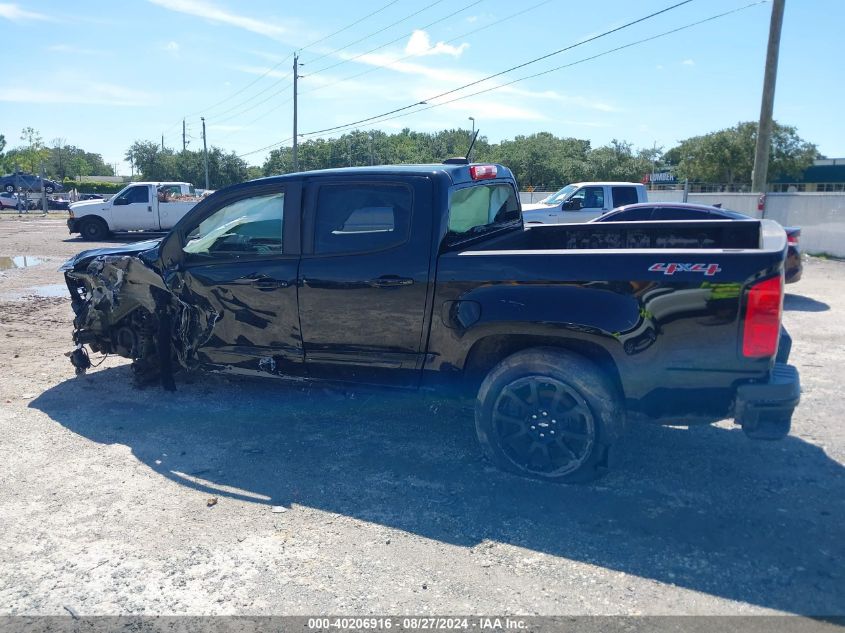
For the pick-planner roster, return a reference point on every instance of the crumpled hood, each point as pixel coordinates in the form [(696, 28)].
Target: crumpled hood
[(86, 257)]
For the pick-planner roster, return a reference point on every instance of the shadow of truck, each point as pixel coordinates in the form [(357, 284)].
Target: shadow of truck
[(704, 508)]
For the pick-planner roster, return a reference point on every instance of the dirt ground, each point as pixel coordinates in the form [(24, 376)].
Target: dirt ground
[(251, 497)]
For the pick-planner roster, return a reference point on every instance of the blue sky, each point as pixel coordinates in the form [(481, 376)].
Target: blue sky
[(102, 74)]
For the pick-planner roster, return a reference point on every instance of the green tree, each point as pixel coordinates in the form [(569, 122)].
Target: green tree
[(156, 164), (34, 153), (727, 156)]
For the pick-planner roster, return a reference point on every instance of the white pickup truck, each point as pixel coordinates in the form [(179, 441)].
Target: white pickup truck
[(140, 206), (582, 202)]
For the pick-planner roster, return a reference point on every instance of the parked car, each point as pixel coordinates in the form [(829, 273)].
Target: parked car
[(424, 276), (583, 201), (91, 196), (10, 200), (23, 181), (657, 211), (58, 204)]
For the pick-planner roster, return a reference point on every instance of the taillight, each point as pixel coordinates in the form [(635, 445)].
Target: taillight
[(792, 238), (482, 172), (761, 329)]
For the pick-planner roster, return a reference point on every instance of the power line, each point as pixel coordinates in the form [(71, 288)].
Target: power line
[(273, 110), (449, 41), (395, 113), (511, 69), (349, 26), (557, 68), (289, 56), (253, 106)]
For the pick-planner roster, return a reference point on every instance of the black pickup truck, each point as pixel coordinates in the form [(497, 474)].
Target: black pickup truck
[(423, 276)]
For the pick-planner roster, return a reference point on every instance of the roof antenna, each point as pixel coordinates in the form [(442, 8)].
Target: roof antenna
[(463, 160), (471, 145)]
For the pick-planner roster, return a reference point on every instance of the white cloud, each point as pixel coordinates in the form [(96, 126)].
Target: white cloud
[(688, 62), (492, 110), (172, 48), (457, 77), (91, 93), (410, 68), (420, 44), (203, 9), (74, 50), (14, 13)]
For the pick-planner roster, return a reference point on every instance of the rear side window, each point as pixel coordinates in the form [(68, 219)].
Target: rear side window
[(624, 195), (676, 213), (481, 205), (361, 218)]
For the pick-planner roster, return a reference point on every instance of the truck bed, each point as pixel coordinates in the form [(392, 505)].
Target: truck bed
[(646, 293), (685, 234)]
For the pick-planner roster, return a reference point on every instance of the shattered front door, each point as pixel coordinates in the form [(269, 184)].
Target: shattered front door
[(237, 269)]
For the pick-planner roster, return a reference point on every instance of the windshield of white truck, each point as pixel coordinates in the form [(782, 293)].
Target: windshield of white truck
[(557, 198), (478, 207)]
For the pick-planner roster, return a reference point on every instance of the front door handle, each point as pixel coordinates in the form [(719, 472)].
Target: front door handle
[(270, 284), (390, 281), (262, 282), (150, 209)]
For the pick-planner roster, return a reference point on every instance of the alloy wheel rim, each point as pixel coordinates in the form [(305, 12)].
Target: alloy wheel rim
[(544, 426)]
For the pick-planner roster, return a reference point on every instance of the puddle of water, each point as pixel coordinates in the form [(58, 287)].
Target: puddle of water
[(50, 290), (19, 261)]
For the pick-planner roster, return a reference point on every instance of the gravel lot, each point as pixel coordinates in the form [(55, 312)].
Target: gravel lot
[(388, 506)]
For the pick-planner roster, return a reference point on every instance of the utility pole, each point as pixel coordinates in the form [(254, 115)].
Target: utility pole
[(204, 152), (295, 135), (184, 142), (764, 130), (162, 142)]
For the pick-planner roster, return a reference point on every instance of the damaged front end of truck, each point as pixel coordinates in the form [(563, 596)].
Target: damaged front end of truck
[(125, 305)]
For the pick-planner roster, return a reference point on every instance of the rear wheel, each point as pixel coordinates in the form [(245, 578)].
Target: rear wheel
[(10, 188), (48, 188), (548, 414), (93, 229)]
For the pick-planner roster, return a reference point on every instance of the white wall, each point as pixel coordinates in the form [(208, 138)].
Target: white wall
[(821, 216)]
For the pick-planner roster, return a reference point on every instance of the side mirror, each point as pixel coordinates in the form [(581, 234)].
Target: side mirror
[(120, 202)]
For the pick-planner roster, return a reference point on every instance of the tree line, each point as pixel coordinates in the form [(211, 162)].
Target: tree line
[(59, 159), (541, 160)]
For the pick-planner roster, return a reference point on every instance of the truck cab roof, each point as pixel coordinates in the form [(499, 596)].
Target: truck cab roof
[(457, 173)]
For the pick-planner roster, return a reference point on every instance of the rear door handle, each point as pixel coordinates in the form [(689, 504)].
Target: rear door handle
[(390, 281)]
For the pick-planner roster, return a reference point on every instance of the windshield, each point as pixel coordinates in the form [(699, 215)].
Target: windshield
[(557, 198)]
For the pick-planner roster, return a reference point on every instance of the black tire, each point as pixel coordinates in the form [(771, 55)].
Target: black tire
[(548, 414), (48, 188), (93, 229), (10, 188)]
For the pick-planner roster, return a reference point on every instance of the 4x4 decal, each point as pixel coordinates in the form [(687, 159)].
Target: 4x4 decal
[(670, 269)]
